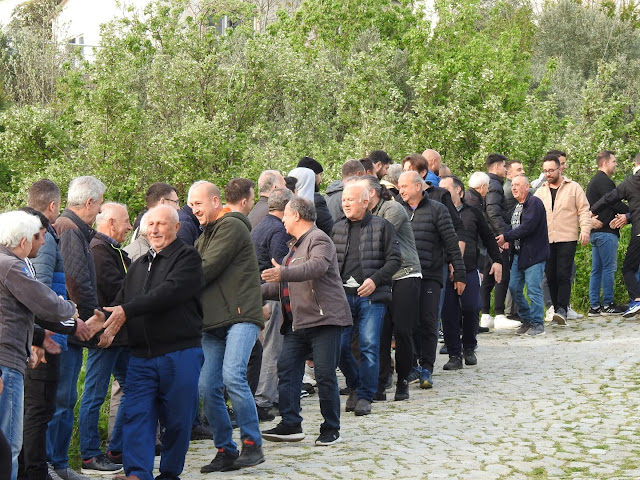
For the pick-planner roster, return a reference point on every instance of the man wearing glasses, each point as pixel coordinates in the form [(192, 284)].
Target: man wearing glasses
[(567, 210)]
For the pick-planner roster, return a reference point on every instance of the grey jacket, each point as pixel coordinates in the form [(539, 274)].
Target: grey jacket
[(22, 297), (315, 287)]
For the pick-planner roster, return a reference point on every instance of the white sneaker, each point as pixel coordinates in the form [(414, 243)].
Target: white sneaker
[(550, 313), (502, 322), (572, 314), (486, 321)]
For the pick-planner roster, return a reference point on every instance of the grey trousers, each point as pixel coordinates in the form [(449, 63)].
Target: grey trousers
[(267, 392)]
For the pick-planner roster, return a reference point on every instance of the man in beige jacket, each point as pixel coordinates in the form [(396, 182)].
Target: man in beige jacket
[(568, 220)]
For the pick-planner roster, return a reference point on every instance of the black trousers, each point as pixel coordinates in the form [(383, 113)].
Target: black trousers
[(558, 272), (630, 267), (5, 458), (489, 283), (426, 335), (40, 388), (400, 321)]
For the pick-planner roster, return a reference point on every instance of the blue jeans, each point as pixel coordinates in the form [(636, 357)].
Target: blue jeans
[(159, 388), (226, 354), (61, 426), (324, 343), (101, 363), (532, 278), (367, 321), (604, 263), (12, 413)]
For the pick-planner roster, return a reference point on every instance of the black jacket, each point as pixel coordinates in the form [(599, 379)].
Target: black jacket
[(477, 230), (324, 220), (434, 234), (628, 190), (443, 196), (190, 228), (495, 208), (161, 299), (379, 251), (598, 187)]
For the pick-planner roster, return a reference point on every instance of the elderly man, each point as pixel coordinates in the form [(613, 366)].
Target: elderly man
[(368, 256), (315, 310), (21, 234), (478, 189), (232, 318), (434, 235), (160, 303), (568, 221), (111, 263), (268, 181), (527, 237)]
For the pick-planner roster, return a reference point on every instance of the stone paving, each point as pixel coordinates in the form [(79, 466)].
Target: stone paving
[(564, 405)]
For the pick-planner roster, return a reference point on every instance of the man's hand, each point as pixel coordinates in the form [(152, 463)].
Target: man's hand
[(115, 322), (459, 287), (367, 288), (596, 224), (619, 221), (95, 322), (50, 345), (266, 311), (82, 331), (584, 238), (500, 240), (496, 271), (272, 275), (105, 340), (37, 356)]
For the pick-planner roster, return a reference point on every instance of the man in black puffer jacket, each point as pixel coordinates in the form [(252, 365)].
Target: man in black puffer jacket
[(368, 256), (434, 233)]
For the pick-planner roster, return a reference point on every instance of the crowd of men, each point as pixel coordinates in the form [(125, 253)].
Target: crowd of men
[(249, 307)]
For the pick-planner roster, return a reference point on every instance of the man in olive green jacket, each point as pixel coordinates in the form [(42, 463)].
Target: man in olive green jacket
[(232, 304)]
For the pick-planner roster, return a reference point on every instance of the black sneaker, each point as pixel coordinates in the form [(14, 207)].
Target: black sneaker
[(444, 350), (454, 363), (611, 309), (402, 391), (594, 312), (201, 432), (222, 463), (330, 437), (523, 328), (350, 405), (284, 433), (100, 464), (379, 397), (363, 407), (251, 455), (559, 318), (536, 329), (115, 457), (469, 356), (483, 329), (345, 391), (264, 414)]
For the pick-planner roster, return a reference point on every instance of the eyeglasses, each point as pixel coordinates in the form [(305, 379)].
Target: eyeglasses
[(547, 172), (177, 202)]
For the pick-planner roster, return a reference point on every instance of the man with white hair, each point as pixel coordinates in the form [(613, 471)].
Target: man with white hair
[(84, 202), (368, 256), (23, 298), (111, 263), (478, 189)]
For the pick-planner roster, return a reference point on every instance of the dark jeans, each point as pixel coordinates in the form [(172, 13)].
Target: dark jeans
[(558, 271), (5, 458), (324, 341), (40, 387), (501, 289), (630, 267), (400, 322), (254, 366), (426, 335), (465, 306)]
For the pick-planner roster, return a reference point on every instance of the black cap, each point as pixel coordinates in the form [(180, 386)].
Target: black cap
[(308, 162)]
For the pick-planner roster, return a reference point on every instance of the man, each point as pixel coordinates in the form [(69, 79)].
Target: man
[(233, 318), (158, 193), (567, 209), (381, 163), (84, 202), (434, 160), (478, 189), (270, 241), (351, 168), (268, 181), (496, 213), (528, 239), (434, 234), (514, 168), (160, 303), (468, 304), (324, 219), (41, 382), (628, 190), (603, 238), (402, 316), (391, 180), (315, 311), (111, 263), (368, 256), (21, 234)]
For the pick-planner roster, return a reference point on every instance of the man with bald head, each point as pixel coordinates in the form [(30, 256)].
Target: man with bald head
[(268, 181), (233, 317), (160, 303), (368, 256), (434, 160)]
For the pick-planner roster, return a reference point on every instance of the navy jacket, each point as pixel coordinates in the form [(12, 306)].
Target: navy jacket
[(270, 241), (532, 233)]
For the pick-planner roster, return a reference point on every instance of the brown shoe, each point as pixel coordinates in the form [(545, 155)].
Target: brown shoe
[(125, 477)]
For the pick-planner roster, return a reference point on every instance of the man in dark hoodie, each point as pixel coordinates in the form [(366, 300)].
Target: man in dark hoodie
[(233, 317)]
